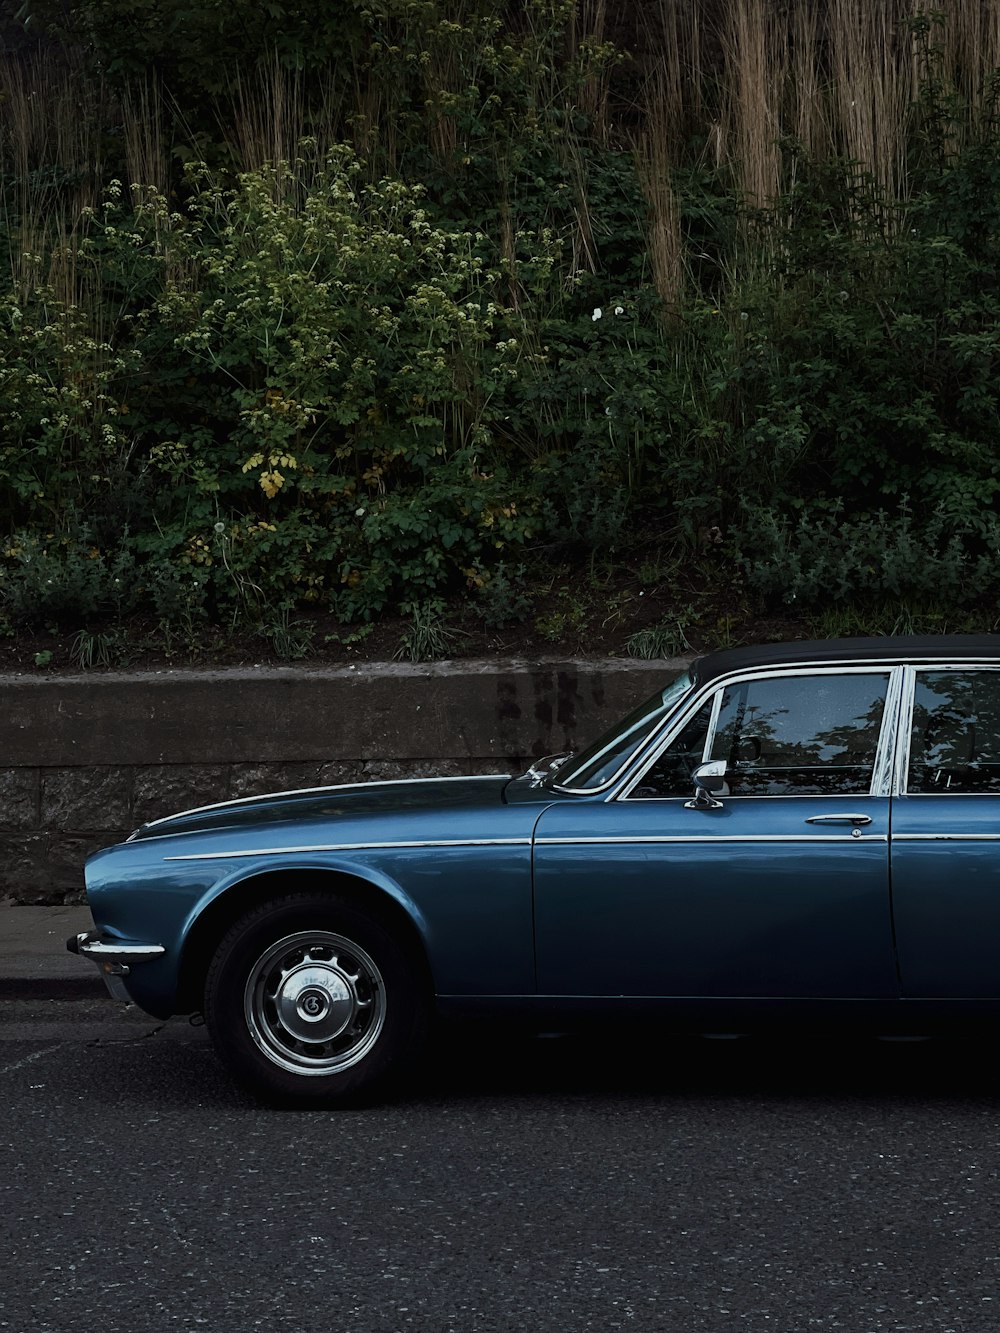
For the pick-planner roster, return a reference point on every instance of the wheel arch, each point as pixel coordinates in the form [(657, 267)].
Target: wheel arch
[(214, 920)]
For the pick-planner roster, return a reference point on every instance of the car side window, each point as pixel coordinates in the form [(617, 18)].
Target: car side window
[(955, 734), (801, 735), (780, 736)]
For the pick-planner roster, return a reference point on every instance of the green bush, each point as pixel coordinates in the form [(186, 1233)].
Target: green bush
[(351, 346), (53, 580), (493, 300), (819, 559)]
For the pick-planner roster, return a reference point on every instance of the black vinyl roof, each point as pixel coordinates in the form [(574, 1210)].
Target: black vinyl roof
[(900, 648)]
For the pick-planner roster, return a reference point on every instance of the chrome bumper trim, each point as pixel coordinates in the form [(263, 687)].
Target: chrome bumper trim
[(114, 958)]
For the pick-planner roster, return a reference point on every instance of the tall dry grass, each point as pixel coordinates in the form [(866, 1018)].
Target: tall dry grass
[(663, 228), (51, 155), (872, 87), (807, 116), (968, 40), (754, 76), (267, 117), (717, 83), (588, 33), (144, 134), (673, 69), (839, 77)]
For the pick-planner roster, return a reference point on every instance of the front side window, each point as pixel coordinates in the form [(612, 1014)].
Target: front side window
[(780, 736), (955, 735), (801, 735)]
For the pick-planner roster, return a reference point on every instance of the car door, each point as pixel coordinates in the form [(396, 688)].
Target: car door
[(782, 891), (946, 836)]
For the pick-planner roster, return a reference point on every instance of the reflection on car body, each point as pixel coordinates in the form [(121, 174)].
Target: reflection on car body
[(787, 833)]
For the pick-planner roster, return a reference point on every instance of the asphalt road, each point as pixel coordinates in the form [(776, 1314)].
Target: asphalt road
[(535, 1185)]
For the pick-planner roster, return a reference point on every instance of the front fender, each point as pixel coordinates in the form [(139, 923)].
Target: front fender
[(264, 869), (469, 905)]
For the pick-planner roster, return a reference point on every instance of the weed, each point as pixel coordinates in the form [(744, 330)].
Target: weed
[(289, 639), (427, 638), (352, 637), (656, 570), (64, 578), (567, 619), (865, 619), (724, 635), (769, 311), (502, 598), (833, 559), (102, 648), (618, 608), (667, 639)]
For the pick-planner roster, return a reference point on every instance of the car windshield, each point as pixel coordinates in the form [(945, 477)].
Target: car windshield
[(599, 762)]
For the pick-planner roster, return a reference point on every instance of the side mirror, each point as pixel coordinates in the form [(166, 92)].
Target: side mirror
[(707, 778)]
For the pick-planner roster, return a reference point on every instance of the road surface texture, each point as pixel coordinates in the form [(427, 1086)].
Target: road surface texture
[(522, 1185)]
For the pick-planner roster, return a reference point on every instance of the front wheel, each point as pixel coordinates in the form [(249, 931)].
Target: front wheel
[(310, 1000)]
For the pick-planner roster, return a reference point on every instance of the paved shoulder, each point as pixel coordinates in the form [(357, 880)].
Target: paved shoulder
[(34, 961)]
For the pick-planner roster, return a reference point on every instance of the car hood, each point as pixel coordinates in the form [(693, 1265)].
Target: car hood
[(325, 803)]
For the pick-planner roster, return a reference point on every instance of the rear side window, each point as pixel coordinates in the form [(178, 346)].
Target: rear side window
[(955, 734)]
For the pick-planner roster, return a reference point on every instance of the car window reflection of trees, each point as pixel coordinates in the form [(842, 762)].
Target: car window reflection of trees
[(835, 760), (955, 734)]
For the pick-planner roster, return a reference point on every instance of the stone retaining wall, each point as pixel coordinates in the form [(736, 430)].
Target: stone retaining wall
[(84, 759)]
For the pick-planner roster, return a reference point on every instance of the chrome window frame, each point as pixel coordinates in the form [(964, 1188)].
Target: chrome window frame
[(905, 731), (882, 766), (713, 726), (884, 777)]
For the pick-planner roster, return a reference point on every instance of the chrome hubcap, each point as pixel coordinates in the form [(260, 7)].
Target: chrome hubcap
[(315, 1003)]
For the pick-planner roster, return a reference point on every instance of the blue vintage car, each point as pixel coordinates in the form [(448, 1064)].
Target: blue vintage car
[(798, 832)]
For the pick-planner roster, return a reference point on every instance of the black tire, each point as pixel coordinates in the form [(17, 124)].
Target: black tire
[(311, 1001)]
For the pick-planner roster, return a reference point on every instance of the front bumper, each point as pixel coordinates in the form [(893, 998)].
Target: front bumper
[(114, 958)]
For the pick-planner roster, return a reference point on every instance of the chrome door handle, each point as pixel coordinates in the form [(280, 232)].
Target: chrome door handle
[(839, 819)]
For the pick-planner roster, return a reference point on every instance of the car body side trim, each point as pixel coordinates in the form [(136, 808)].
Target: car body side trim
[(805, 838), (952, 795), (243, 853), (946, 837)]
